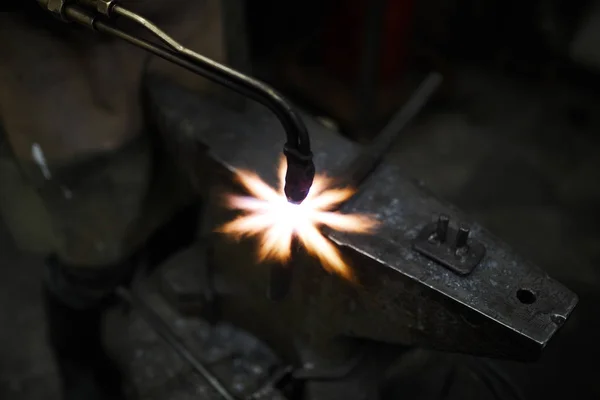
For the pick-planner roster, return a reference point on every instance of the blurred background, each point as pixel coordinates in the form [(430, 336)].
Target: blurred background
[(512, 138)]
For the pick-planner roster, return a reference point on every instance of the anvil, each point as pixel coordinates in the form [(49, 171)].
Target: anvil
[(447, 285), (501, 306)]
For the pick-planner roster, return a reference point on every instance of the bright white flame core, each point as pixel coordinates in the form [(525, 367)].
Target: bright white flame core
[(269, 216)]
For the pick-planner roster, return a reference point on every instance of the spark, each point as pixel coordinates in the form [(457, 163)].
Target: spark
[(267, 215)]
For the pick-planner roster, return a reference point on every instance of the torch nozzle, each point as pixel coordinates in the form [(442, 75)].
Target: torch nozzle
[(299, 175)]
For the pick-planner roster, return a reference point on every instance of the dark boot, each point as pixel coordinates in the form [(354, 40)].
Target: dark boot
[(86, 371)]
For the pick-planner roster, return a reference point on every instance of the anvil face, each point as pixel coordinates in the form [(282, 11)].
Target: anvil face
[(504, 307)]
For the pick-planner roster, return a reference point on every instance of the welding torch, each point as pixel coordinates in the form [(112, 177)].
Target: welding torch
[(99, 16)]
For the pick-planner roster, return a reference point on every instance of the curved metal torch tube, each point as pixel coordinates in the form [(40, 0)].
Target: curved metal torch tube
[(301, 170), (297, 135)]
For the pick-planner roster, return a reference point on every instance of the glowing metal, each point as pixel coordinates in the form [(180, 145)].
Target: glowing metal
[(267, 215)]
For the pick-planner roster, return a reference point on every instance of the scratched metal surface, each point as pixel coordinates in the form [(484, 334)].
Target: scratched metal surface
[(403, 209), (253, 139), (157, 372)]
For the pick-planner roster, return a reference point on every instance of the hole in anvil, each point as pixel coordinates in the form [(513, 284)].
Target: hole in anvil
[(526, 296), (558, 319)]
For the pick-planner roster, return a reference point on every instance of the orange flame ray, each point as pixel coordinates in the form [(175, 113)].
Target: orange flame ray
[(329, 199), (268, 216), (346, 223)]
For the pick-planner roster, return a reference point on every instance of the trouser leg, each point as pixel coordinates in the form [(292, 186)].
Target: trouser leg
[(103, 211), (74, 305), (94, 205)]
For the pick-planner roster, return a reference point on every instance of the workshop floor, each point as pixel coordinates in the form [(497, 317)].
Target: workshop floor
[(520, 158)]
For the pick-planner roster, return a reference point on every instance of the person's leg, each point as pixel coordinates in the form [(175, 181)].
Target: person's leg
[(75, 300), (78, 153), (98, 211), (91, 216), (94, 213)]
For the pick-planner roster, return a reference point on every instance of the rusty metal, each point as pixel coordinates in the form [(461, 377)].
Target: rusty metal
[(452, 248), (297, 149)]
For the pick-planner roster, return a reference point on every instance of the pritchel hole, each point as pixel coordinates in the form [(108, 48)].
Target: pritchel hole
[(526, 296), (558, 319)]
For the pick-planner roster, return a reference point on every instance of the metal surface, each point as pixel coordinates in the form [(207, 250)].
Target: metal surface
[(297, 149), (361, 167), (480, 314), (450, 247), (162, 329), (241, 362), (103, 7), (55, 7), (278, 377), (403, 297), (503, 308)]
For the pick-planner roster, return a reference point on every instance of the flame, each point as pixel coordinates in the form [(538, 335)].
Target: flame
[(268, 215)]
